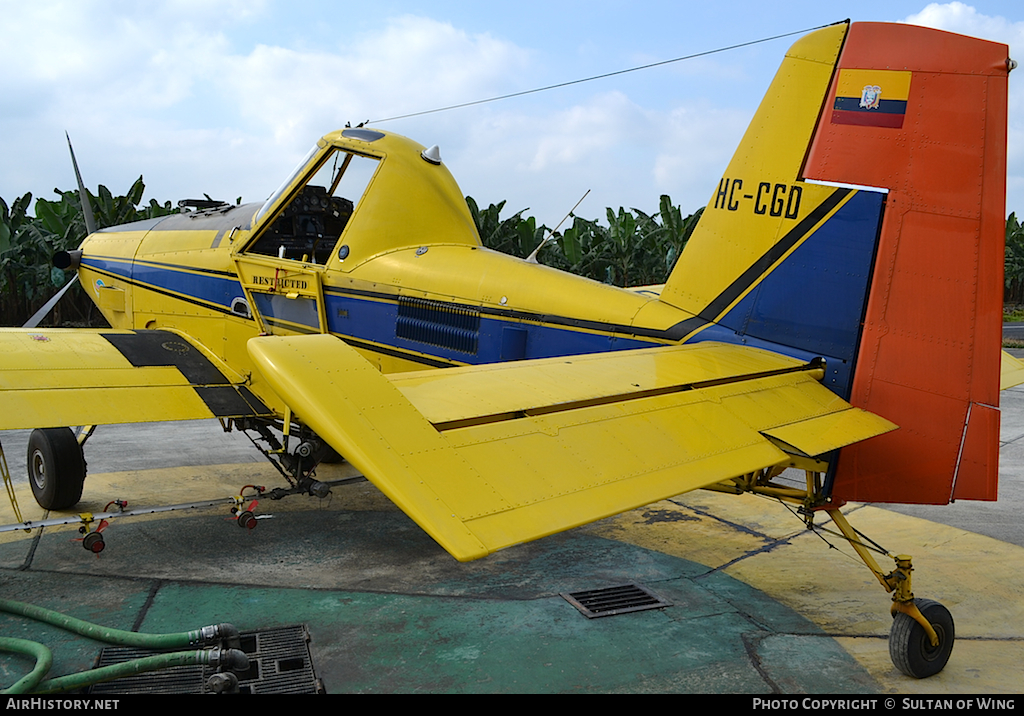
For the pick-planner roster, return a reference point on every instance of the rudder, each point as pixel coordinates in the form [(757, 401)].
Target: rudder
[(923, 113)]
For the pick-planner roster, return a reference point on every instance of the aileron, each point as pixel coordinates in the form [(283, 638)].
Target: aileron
[(54, 377)]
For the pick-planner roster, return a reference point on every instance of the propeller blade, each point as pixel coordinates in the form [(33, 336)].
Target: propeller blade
[(83, 195), (39, 315)]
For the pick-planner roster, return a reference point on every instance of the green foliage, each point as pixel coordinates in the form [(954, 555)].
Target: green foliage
[(25, 271), (1014, 261), (1013, 314), (495, 233), (27, 245), (634, 249)]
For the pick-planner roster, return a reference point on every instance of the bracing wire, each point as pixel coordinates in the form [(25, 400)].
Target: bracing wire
[(602, 76), (868, 543)]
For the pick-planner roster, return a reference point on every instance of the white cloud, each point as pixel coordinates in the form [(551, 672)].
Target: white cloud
[(582, 131), (412, 64), (625, 154), (164, 85), (697, 143), (175, 99), (966, 20), (90, 44), (176, 91)]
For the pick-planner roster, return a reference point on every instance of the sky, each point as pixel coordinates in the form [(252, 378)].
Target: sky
[(224, 97)]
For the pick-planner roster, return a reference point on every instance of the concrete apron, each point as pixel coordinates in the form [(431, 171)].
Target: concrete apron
[(760, 605)]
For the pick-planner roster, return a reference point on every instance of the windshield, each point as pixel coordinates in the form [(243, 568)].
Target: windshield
[(309, 227), (284, 187)]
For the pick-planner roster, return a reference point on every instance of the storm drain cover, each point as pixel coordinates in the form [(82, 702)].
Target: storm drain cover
[(610, 601), (279, 663)]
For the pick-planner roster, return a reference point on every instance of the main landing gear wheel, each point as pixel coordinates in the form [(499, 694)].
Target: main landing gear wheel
[(332, 457), (56, 468), (909, 646)]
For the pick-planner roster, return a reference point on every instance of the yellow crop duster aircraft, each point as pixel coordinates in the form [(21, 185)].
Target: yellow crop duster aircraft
[(845, 279)]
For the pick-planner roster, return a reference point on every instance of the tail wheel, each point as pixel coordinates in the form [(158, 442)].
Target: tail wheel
[(909, 646), (56, 468)]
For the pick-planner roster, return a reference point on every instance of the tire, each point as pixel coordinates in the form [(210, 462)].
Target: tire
[(332, 457), (56, 468), (911, 649)]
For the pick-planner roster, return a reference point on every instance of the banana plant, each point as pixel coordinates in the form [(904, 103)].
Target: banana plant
[(26, 275), (1014, 261), (27, 245), (65, 219), (496, 233)]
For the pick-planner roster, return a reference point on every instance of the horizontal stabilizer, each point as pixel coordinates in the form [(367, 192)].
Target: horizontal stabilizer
[(1011, 372), (62, 377), (484, 457), (822, 434)]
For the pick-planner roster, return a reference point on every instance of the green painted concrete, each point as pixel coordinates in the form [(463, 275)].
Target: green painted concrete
[(389, 612)]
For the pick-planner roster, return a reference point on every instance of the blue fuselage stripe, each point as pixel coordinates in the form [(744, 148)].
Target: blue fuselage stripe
[(369, 318), (209, 287), (375, 320)]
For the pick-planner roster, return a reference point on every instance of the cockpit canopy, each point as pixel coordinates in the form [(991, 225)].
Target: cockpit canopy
[(358, 193), (311, 223)]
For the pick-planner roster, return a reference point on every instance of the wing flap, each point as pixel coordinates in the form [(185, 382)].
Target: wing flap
[(484, 458), (503, 389), (55, 377)]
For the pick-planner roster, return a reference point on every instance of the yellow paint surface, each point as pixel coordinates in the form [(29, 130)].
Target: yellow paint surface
[(588, 453), (895, 84)]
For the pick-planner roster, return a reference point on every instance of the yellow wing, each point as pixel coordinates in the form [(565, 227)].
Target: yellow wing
[(54, 378), (485, 457), (1011, 372)]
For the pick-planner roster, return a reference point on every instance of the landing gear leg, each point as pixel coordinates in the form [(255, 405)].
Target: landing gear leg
[(56, 468), (922, 633), (297, 466)]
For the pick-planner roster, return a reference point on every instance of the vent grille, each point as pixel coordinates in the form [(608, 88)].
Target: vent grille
[(620, 599), (279, 663), (438, 324)]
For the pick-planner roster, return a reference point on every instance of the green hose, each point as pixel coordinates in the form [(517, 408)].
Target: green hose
[(43, 659), (108, 635), (129, 668), (33, 682)]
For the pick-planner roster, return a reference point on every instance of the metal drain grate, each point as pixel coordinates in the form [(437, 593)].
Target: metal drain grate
[(279, 663), (610, 601)]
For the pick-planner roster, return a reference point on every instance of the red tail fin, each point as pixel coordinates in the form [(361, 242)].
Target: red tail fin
[(923, 113)]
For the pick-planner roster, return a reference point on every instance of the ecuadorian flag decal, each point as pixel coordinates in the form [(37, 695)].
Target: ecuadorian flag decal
[(871, 98)]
